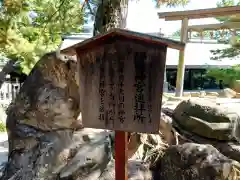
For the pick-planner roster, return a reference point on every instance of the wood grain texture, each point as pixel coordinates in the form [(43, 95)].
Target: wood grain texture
[(121, 85)]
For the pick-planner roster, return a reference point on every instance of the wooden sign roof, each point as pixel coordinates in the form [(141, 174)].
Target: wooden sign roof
[(100, 39)]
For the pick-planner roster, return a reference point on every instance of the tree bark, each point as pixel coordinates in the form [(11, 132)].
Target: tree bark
[(110, 14)]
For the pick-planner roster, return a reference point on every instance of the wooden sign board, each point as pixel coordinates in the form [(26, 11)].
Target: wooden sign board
[(121, 83)]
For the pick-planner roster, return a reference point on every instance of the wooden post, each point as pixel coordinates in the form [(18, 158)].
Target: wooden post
[(181, 64), (121, 157)]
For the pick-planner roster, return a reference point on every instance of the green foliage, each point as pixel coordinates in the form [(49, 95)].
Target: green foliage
[(177, 33), (28, 29), (2, 127), (205, 34), (230, 52), (227, 37), (225, 3), (172, 2), (227, 75)]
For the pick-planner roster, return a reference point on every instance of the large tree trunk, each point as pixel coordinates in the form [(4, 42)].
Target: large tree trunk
[(110, 14)]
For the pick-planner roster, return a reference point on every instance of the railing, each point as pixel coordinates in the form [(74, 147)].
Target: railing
[(8, 92)]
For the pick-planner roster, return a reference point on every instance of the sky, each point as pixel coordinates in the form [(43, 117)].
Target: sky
[(142, 16)]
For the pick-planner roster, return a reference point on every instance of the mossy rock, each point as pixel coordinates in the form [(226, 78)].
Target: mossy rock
[(205, 119)]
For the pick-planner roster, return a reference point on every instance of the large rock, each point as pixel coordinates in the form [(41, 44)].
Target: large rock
[(228, 149), (87, 157), (137, 170), (43, 122), (194, 161), (207, 119), (87, 152)]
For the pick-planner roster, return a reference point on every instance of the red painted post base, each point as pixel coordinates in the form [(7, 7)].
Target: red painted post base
[(121, 156)]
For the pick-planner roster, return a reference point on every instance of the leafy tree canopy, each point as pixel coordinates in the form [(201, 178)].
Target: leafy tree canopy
[(225, 3), (172, 2), (231, 74), (228, 34), (28, 29), (228, 76)]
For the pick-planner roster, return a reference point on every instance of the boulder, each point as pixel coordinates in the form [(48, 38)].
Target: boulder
[(193, 161), (87, 157), (62, 154), (227, 148), (137, 170), (207, 119)]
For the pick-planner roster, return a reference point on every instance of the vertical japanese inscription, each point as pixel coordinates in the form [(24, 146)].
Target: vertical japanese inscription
[(111, 95), (150, 92), (121, 111), (139, 108), (101, 91)]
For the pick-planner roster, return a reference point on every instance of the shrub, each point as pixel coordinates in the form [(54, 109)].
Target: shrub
[(228, 76), (2, 127)]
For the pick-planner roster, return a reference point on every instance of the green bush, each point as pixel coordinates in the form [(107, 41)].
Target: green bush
[(2, 127), (228, 76)]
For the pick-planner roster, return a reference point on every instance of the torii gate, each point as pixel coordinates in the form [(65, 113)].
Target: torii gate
[(232, 26), (184, 16)]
